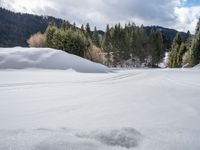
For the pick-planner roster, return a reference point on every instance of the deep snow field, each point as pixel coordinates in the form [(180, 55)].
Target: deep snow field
[(139, 109)]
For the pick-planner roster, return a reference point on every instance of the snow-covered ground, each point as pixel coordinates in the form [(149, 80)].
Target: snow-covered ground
[(138, 109), (152, 109)]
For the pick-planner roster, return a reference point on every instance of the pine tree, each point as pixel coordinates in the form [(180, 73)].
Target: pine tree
[(195, 48), (106, 45), (141, 41), (65, 25), (95, 37), (188, 40), (181, 53), (156, 47), (82, 28), (74, 26), (50, 35), (173, 61), (88, 31)]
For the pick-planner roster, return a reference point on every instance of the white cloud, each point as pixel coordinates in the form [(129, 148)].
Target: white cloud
[(168, 13), (187, 18)]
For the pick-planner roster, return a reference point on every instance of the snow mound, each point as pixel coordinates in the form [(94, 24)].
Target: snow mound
[(197, 66), (46, 58)]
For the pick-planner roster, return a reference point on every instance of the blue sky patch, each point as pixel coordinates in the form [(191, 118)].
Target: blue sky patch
[(189, 3)]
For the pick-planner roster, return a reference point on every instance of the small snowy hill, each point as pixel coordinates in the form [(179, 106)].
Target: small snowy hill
[(197, 66), (46, 58)]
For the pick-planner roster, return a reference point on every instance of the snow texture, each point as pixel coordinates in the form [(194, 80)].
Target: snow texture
[(46, 58), (126, 137)]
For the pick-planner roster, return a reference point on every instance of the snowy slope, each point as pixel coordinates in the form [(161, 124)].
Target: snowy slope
[(135, 109), (197, 66), (46, 58)]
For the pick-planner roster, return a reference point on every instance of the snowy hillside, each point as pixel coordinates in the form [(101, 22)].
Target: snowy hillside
[(197, 66), (127, 110), (45, 58)]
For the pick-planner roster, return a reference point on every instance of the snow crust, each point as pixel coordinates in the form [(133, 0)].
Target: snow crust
[(46, 58)]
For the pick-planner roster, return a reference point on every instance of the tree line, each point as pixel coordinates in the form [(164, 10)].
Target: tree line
[(127, 45), (122, 46), (131, 46)]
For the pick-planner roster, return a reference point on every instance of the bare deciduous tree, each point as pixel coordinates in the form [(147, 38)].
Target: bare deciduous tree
[(37, 40)]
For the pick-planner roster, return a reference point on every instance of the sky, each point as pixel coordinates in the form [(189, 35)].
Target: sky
[(178, 14)]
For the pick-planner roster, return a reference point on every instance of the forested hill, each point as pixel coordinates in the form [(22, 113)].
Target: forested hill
[(168, 34), (16, 28)]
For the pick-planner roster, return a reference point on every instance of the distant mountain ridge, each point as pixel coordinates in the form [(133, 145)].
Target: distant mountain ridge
[(16, 28), (168, 34)]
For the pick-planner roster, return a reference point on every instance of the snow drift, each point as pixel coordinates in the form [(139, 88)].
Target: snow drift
[(197, 66), (46, 58)]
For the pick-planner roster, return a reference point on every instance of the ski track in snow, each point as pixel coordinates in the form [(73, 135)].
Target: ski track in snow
[(140, 109), (116, 78)]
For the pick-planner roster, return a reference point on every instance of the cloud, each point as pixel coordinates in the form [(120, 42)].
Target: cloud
[(168, 13), (187, 18)]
